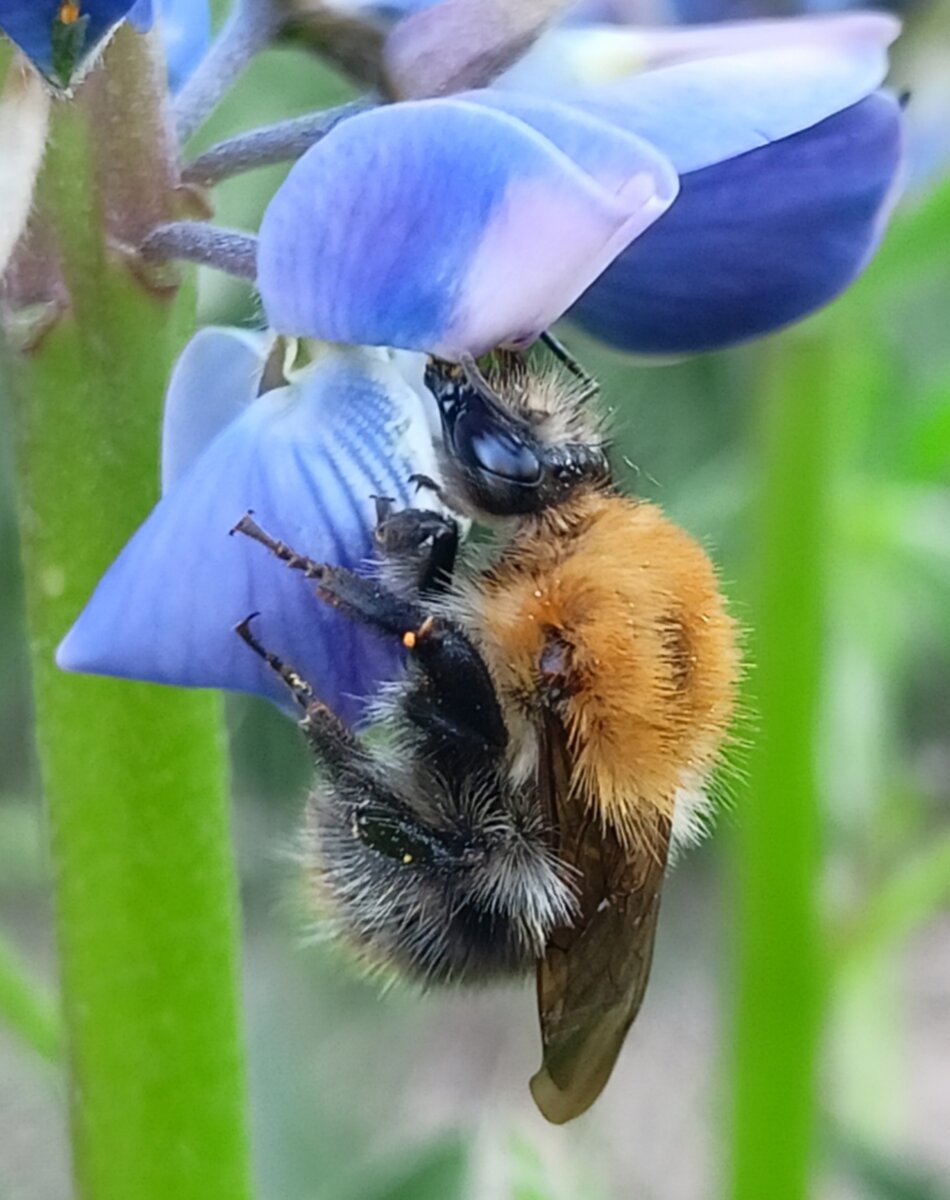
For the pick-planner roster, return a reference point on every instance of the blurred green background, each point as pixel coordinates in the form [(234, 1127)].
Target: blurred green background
[(815, 466)]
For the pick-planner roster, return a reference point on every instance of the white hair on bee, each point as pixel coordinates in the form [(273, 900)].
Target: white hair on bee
[(693, 816)]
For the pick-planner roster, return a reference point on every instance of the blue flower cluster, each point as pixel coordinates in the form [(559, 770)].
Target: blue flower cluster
[(736, 181)]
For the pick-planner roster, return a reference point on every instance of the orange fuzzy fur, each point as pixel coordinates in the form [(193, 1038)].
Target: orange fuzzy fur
[(652, 652)]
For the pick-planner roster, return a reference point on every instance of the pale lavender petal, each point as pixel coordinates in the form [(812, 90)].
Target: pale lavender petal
[(568, 58), (732, 89)]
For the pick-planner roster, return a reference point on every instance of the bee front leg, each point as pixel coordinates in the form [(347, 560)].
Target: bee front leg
[(418, 548)]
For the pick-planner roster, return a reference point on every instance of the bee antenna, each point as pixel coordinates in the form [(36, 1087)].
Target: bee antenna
[(567, 359)]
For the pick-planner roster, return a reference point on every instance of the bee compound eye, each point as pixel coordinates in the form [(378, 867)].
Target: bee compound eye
[(488, 447)]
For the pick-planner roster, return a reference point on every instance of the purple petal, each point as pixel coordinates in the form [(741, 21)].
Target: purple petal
[(306, 458), (142, 14), (756, 242), (730, 89), (449, 227)]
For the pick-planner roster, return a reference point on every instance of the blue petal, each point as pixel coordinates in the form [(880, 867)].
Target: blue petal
[(756, 242), (449, 227), (185, 28), (216, 377), (36, 26), (142, 14), (737, 87), (306, 458)]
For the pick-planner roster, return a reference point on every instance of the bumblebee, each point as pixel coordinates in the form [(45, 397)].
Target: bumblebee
[(564, 704)]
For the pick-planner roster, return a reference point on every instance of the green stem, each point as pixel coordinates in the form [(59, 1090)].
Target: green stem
[(134, 775), (918, 890), (781, 984), (26, 1008)]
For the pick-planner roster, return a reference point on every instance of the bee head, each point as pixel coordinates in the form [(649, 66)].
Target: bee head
[(496, 458)]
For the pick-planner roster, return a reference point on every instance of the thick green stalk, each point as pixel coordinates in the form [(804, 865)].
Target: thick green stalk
[(781, 970), (134, 775)]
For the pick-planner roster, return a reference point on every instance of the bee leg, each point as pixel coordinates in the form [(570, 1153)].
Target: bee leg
[(460, 696), (301, 690), (418, 549), (330, 739), (297, 562), (457, 701), (429, 484)]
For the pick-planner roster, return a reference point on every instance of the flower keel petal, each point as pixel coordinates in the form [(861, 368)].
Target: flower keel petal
[(754, 243)]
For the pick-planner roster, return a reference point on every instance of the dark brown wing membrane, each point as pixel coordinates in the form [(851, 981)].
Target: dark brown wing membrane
[(593, 976)]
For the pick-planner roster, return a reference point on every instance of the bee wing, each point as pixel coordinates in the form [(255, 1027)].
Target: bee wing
[(593, 976)]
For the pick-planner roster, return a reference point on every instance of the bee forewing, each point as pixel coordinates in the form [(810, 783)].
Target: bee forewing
[(590, 987), (592, 979)]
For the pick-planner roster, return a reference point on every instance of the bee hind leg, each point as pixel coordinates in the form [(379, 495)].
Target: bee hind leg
[(301, 691), (330, 739)]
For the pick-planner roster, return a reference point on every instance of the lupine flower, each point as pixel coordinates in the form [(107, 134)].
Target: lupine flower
[(307, 458), (455, 225)]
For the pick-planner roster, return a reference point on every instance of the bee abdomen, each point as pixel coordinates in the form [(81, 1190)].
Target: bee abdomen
[(450, 888)]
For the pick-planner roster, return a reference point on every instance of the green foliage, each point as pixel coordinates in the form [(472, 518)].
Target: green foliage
[(438, 1174), (781, 969), (26, 1008)]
